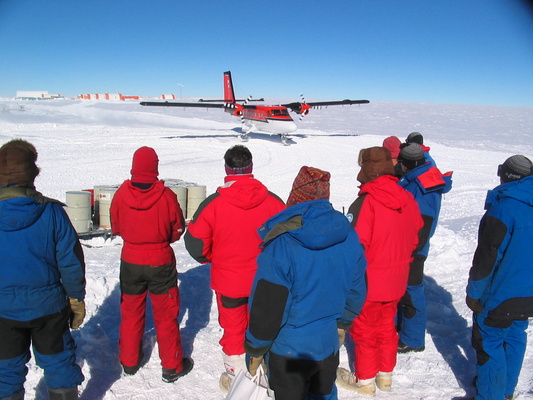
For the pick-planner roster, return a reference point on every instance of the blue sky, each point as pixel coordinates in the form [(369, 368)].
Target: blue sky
[(425, 51)]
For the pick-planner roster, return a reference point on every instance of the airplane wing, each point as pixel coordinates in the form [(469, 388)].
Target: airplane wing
[(301, 108), (200, 104), (179, 104), (222, 101)]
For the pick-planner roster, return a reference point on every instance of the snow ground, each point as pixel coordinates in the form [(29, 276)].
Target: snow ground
[(82, 144)]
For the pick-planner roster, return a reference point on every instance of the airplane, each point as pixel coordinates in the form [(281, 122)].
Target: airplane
[(263, 118)]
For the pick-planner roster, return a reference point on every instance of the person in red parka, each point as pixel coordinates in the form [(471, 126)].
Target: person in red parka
[(147, 216), (223, 231), (387, 220)]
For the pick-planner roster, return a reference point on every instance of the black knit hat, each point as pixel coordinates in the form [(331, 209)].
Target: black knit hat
[(415, 137), (515, 168), (238, 160), (411, 155)]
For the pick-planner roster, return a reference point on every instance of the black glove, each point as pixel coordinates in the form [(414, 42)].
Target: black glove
[(474, 305)]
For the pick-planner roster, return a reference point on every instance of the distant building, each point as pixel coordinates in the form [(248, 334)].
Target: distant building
[(106, 96), (35, 95)]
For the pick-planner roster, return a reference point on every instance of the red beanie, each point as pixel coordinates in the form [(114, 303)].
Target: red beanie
[(392, 143), (144, 165), (310, 184)]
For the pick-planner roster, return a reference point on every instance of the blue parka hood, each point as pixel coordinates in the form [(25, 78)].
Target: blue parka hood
[(19, 213), (309, 223), (521, 190)]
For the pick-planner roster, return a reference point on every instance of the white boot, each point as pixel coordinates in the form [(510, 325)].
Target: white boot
[(348, 381), (232, 364), (384, 381)]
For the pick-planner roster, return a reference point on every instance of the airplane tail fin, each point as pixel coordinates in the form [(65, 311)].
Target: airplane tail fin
[(229, 94)]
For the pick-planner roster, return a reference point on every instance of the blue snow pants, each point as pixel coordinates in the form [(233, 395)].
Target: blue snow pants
[(500, 352), (53, 348), (413, 317)]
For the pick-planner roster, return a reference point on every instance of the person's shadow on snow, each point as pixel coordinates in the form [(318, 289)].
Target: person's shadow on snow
[(97, 339), (97, 342), (450, 333), (196, 297), (97, 348)]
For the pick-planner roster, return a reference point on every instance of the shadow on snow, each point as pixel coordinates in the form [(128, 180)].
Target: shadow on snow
[(97, 340), (450, 334)]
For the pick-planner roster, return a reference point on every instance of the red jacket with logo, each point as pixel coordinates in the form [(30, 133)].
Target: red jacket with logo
[(387, 220), (148, 220), (223, 231)]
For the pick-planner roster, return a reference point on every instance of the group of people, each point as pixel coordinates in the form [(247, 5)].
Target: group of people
[(290, 278)]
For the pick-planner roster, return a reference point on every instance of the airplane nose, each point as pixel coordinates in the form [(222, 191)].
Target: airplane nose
[(291, 126)]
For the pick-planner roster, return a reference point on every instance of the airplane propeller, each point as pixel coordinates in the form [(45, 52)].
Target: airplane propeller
[(243, 105), (304, 107), (244, 134)]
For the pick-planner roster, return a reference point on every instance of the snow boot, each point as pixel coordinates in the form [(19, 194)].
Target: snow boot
[(63, 393), (348, 381), (133, 370), (225, 382), (384, 381), (170, 375), (232, 364), (403, 348)]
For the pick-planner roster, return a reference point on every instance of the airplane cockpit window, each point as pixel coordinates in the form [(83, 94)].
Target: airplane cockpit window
[(277, 112)]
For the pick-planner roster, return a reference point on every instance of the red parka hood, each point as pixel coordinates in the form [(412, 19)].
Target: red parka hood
[(243, 191), (390, 196), (142, 199)]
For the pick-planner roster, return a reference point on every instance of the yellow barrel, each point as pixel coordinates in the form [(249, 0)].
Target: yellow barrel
[(97, 190), (181, 193), (195, 196), (173, 182), (105, 196), (79, 210)]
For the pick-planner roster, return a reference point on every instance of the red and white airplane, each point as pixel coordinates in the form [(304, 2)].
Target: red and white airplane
[(263, 118)]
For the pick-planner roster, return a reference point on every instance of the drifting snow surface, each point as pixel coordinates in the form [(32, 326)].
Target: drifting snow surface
[(82, 144)]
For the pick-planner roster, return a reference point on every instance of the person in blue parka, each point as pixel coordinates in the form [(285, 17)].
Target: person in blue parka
[(500, 284), (308, 288), (427, 184), (42, 281)]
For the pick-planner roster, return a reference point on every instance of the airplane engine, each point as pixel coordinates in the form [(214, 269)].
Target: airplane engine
[(238, 110), (304, 109)]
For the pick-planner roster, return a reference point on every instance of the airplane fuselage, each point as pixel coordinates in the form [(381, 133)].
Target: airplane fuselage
[(270, 119)]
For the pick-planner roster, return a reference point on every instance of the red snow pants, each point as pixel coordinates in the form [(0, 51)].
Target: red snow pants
[(376, 340), (160, 282), (233, 319)]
